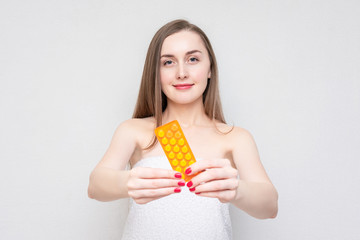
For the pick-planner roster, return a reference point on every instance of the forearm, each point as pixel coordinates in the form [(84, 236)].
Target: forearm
[(257, 199), (108, 184)]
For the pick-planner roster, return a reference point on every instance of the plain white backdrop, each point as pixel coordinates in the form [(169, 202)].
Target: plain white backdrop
[(70, 73)]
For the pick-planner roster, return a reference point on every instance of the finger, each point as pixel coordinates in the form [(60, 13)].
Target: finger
[(223, 196), (146, 200), (219, 185), (213, 174), (206, 164), (153, 193), (146, 172), (140, 183)]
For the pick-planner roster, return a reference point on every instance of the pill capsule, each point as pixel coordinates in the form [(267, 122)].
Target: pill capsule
[(180, 156), (167, 148), (176, 148), (173, 141), (175, 162), (171, 155), (184, 149), (164, 141), (174, 127), (177, 134), (183, 163), (169, 134), (161, 133)]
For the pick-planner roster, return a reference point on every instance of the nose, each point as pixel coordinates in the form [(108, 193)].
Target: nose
[(181, 72)]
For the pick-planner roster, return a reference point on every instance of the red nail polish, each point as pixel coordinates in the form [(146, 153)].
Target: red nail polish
[(192, 189), (177, 190), (197, 192), (189, 184), (188, 171), (178, 175), (181, 183)]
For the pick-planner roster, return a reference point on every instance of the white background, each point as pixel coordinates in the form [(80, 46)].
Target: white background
[(70, 72)]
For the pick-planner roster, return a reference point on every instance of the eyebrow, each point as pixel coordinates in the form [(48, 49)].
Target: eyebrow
[(187, 53)]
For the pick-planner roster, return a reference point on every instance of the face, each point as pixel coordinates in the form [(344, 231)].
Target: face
[(184, 67)]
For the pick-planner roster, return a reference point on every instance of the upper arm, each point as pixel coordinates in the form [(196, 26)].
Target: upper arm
[(122, 146), (246, 157)]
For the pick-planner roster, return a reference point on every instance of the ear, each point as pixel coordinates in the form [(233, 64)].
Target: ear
[(209, 75)]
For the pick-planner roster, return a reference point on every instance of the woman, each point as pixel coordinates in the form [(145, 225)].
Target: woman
[(180, 81)]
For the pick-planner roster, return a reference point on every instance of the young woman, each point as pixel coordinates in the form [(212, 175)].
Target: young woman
[(180, 81)]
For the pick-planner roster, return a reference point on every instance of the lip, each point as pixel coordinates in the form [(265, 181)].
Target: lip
[(183, 86)]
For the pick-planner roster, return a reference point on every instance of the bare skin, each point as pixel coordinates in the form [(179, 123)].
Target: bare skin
[(230, 168)]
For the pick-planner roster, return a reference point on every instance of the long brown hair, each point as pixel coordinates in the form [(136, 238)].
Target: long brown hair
[(151, 100)]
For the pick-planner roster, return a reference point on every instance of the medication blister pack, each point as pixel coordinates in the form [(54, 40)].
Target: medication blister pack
[(176, 147)]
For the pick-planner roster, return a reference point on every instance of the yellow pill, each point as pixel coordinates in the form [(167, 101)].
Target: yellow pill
[(183, 163), (174, 127), (188, 156), (172, 141), (184, 149), (179, 156), (161, 133), (171, 155), (179, 169), (176, 148), (191, 162), (178, 134), (164, 141), (181, 141), (167, 148), (169, 134), (175, 162)]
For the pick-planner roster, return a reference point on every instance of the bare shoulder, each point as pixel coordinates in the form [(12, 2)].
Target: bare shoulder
[(241, 133), (135, 123), (136, 128), (234, 131), (237, 137), (128, 138)]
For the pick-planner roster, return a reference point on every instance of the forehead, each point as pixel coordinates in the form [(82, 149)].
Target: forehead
[(181, 42)]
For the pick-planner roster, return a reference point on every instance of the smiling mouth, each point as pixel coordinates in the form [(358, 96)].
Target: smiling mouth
[(183, 86)]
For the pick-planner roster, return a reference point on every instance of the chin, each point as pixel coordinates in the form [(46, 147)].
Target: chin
[(185, 100)]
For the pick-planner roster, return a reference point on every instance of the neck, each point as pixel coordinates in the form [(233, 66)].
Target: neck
[(188, 115)]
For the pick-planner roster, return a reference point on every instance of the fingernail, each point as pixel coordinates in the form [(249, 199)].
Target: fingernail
[(192, 189), (178, 175), (177, 190), (181, 183), (197, 192), (188, 171), (189, 184)]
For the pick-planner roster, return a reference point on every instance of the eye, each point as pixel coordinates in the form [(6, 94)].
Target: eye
[(167, 62), (193, 59)]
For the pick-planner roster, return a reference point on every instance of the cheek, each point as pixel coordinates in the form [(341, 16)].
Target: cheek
[(201, 75), (165, 77), (165, 81)]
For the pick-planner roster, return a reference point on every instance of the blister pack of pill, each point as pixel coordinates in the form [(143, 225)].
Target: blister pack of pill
[(176, 147)]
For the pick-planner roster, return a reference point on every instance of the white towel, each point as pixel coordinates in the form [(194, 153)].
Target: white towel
[(178, 216)]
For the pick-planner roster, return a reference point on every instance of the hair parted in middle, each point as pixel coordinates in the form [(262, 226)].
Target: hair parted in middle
[(151, 100)]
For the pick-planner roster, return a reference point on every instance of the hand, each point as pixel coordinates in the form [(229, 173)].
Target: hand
[(216, 179), (148, 184)]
